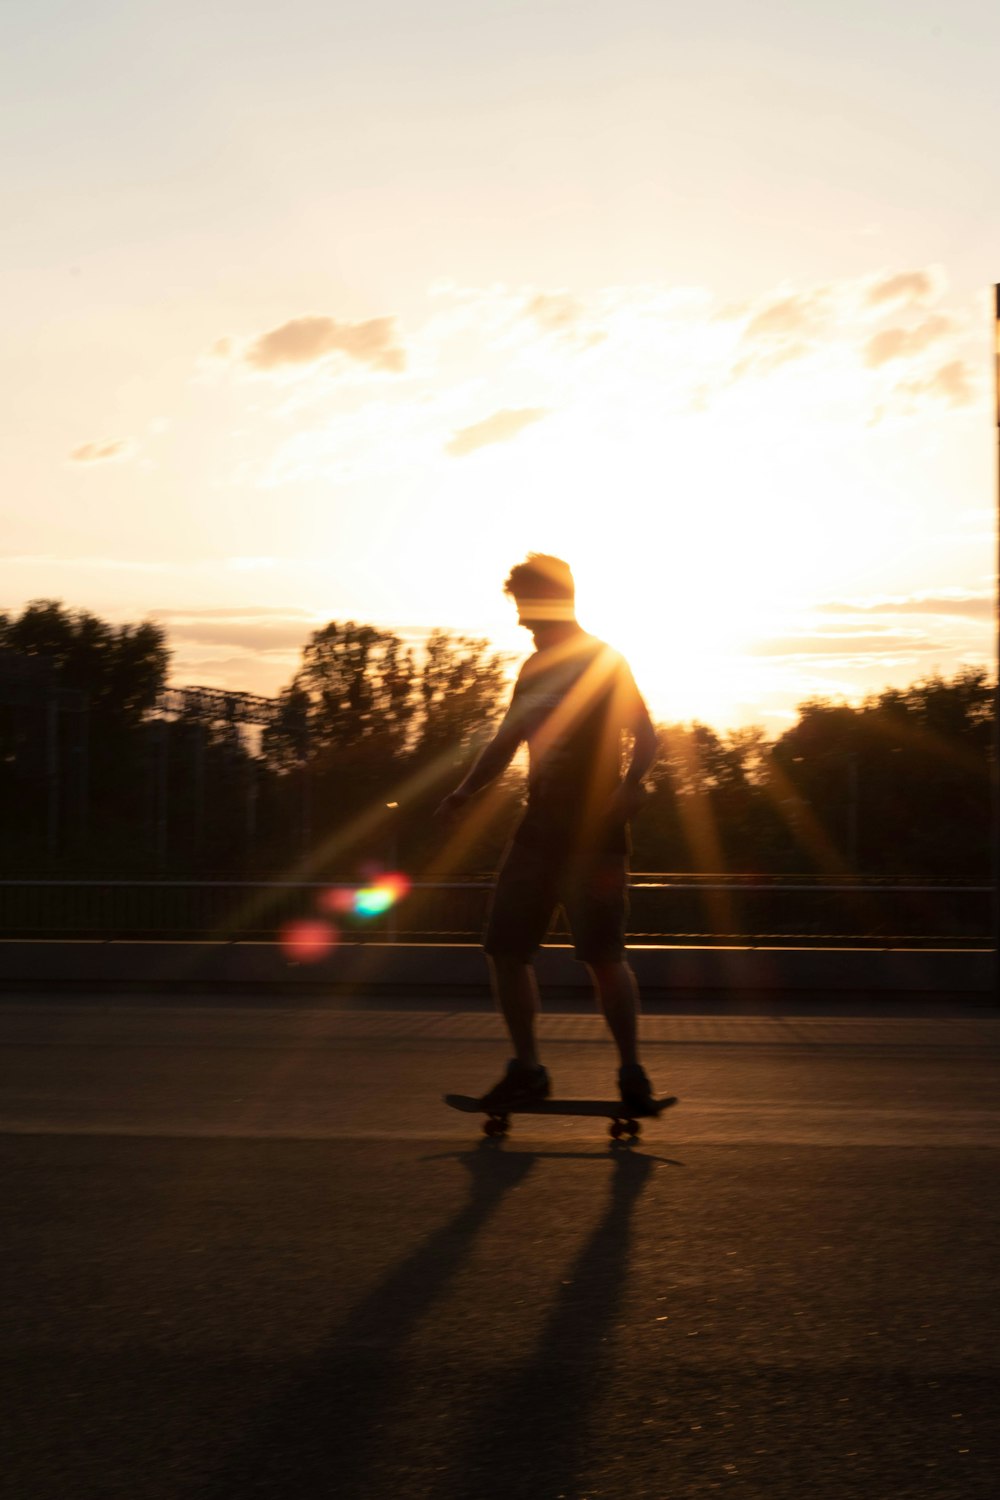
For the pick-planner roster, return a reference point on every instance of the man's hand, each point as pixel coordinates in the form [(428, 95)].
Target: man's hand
[(451, 809), (627, 799)]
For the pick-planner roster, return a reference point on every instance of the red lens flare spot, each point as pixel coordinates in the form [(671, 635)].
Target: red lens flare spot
[(307, 941), (336, 900), (397, 884)]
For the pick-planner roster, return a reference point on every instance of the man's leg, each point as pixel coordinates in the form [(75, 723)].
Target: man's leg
[(515, 990), (597, 907), (618, 996), (520, 912), (598, 910)]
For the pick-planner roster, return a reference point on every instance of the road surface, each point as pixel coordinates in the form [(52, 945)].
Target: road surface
[(249, 1252)]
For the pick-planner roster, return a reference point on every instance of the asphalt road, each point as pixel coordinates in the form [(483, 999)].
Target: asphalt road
[(247, 1251)]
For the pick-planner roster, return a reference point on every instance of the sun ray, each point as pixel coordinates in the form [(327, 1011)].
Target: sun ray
[(701, 834), (371, 820)]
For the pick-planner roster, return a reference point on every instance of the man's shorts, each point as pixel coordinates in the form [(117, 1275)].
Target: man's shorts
[(530, 885)]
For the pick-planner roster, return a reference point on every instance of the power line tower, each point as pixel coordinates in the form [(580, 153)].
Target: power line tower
[(215, 705), (203, 708)]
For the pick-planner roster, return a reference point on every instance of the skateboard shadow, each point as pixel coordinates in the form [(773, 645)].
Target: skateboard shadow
[(618, 1148), (324, 1432)]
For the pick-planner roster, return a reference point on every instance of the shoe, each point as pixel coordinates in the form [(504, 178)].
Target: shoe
[(520, 1085), (636, 1091)]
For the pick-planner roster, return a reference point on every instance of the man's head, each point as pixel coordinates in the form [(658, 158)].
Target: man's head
[(543, 589)]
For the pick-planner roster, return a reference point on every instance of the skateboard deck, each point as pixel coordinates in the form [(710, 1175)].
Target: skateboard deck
[(623, 1120)]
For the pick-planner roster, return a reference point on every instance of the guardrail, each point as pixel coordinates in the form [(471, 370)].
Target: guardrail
[(665, 908)]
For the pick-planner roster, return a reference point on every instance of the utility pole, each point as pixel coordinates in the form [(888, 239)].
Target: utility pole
[(853, 781), (52, 768), (83, 768), (159, 790), (995, 768), (198, 731), (250, 807)]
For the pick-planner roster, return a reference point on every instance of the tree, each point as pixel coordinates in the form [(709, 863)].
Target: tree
[(367, 722), (121, 669), (286, 740), (900, 784), (360, 683), (709, 812), (74, 752), (463, 692)]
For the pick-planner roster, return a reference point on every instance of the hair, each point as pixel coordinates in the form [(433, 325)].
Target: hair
[(541, 577)]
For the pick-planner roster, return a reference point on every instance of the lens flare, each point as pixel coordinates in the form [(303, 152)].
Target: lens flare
[(337, 899), (397, 883), (372, 901), (369, 900), (308, 940)]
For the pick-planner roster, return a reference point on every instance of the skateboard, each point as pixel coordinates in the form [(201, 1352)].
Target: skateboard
[(623, 1121)]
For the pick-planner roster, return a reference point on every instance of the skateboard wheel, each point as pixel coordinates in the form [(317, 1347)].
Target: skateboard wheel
[(632, 1129), (616, 1130)]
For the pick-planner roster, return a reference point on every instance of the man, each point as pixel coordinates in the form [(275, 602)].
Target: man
[(571, 702)]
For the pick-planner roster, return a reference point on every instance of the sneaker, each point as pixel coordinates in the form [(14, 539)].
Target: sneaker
[(520, 1085), (636, 1091)]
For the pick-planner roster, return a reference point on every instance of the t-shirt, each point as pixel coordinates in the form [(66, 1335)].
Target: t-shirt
[(571, 701)]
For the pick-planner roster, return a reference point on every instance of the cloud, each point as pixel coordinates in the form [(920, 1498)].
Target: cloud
[(966, 606), (92, 560), (554, 311), (953, 383), (794, 324), (901, 343), (781, 330), (788, 315), (498, 428), (264, 636), (250, 629), (564, 319), (884, 631), (99, 453), (252, 672), (846, 643), (242, 612), (304, 341), (764, 361), (904, 286)]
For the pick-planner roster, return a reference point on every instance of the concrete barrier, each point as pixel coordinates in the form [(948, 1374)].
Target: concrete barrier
[(460, 967)]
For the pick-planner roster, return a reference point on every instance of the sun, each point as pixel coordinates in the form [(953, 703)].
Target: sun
[(695, 541), (701, 534)]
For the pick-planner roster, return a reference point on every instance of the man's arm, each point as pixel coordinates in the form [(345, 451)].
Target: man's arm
[(632, 794), (644, 747), (491, 762)]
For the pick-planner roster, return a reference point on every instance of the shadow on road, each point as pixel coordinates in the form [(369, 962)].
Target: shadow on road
[(528, 1435), (324, 1430)]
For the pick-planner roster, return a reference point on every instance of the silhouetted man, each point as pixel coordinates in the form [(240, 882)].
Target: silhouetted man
[(571, 701)]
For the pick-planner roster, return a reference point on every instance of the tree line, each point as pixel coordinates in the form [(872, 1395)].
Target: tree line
[(340, 773)]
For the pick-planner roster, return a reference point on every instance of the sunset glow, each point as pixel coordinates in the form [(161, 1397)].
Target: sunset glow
[(739, 375)]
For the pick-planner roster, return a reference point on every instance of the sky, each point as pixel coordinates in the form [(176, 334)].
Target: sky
[(324, 312)]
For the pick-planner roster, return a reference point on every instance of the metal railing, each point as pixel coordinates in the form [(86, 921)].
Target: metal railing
[(790, 910)]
